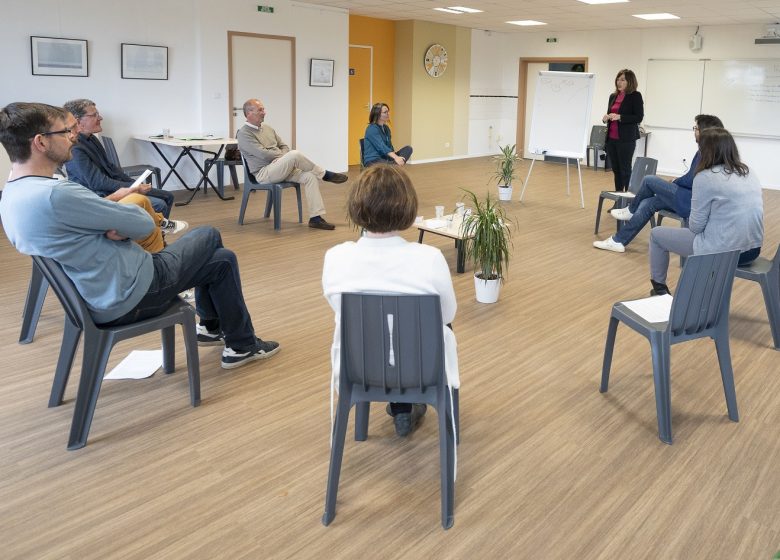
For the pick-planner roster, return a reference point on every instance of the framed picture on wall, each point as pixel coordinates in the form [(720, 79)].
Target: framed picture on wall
[(54, 56), (321, 73), (144, 62)]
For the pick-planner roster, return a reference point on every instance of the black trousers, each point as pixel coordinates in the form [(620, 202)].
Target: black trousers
[(620, 155)]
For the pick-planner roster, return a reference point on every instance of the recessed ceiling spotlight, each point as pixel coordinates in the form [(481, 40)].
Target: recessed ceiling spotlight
[(526, 22), (656, 16)]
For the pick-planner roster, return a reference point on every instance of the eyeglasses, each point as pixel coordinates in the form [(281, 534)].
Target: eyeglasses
[(96, 114), (695, 128), (63, 131)]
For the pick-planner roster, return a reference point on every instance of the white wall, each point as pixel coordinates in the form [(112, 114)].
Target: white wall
[(608, 52), (194, 98)]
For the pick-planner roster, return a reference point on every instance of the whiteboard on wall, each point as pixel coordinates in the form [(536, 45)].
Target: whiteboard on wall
[(560, 125), (673, 93), (745, 94)]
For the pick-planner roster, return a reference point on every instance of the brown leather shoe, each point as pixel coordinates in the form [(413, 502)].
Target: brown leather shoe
[(318, 222), (332, 177)]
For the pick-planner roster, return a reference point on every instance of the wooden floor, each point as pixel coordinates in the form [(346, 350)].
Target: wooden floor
[(548, 466)]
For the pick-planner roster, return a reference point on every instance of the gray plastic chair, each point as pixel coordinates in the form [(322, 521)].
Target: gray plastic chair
[(98, 342), (36, 295), (273, 198), (132, 170), (642, 166), (700, 309), (767, 274), (668, 214), (598, 140), (402, 363)]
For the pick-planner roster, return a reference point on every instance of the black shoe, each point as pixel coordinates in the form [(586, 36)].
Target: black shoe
[(318, 222), (236, 357), (406, 422), (209, 338), (659, 289), (332, 177)]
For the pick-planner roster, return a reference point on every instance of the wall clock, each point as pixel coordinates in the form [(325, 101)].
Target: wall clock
[(435, 60)]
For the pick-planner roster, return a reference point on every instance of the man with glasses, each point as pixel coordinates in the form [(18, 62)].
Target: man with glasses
[(88, 236), (91, 167), (657, 194)]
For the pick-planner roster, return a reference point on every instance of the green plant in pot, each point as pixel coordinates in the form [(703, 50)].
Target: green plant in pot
[(507, 164), (488, 244)]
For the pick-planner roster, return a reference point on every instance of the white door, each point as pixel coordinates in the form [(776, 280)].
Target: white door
[(263, 67), (530, 89)]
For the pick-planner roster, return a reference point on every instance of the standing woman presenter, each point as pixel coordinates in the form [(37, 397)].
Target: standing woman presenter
[(625, 111)]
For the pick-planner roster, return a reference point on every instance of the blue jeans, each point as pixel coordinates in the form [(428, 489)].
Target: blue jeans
[(198, 259), (653, 195), (162, 201)]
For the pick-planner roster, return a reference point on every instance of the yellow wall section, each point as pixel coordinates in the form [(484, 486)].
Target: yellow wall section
[(380, 34), (432, 112)]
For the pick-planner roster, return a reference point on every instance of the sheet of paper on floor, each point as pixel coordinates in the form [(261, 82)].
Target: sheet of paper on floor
[(138, 364)]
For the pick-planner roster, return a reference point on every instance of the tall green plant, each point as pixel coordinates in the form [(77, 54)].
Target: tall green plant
[(507, 163), (490, 240)]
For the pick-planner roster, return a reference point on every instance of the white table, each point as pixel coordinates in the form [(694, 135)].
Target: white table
[(187, 145), (452, 229)]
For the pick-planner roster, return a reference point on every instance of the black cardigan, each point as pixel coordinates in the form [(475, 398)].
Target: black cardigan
[(631, 112)]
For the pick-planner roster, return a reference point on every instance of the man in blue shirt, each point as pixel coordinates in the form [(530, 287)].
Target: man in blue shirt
[(657, 194), (90, 237), (91, 167)]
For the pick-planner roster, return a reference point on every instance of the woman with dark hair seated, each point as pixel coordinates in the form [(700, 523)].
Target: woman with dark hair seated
[(383, 202), (727, 211), (377, 144)]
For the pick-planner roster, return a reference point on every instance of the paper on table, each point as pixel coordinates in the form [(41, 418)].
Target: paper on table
[(652, 309), (436, 224), (138, 364)]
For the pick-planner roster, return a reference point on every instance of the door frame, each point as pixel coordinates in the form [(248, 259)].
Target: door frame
[(370, 70), (230, 35), (522, 83)]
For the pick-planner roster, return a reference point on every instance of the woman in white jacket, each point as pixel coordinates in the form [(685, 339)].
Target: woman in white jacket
[(383, 202)]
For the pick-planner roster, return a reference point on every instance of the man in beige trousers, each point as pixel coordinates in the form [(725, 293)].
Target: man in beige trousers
[(270, 160)]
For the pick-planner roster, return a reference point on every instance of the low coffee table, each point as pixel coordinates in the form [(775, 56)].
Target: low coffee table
[(452, 229)]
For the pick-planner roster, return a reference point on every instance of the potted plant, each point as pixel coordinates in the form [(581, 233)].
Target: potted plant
[(488, 245), (507, 163)]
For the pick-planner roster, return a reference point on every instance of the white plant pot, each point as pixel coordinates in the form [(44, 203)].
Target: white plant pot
[(505, 193), (487, 290)]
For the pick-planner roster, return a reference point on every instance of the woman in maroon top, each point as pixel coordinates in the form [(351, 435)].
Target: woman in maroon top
[(624, 113)]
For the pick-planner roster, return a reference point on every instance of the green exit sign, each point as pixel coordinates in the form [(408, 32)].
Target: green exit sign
[(266, 9), (552, 39)]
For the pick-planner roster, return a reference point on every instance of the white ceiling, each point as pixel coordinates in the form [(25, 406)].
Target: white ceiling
[(567, 15)]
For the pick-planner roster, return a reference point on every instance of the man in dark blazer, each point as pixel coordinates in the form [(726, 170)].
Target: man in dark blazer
[(91, 167)]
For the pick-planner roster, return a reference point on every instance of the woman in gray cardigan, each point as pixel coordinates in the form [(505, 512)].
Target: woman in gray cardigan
[(726, 211)]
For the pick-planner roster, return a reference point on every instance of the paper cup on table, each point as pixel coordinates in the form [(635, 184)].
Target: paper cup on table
[(439, 211)]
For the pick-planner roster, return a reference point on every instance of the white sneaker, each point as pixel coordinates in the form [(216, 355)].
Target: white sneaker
[(169, 227), (623, 214), (610, 244)]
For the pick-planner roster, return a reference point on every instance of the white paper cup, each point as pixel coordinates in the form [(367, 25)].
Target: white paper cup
[(439, 211)]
